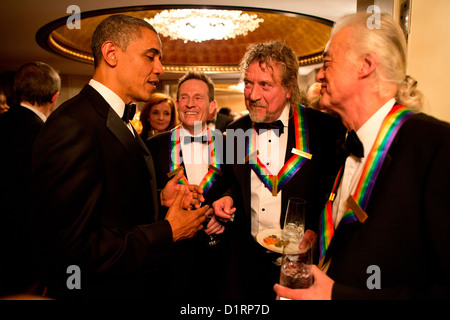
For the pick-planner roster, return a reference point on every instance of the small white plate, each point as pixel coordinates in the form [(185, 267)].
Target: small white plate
[(290, 249), (266, 233)]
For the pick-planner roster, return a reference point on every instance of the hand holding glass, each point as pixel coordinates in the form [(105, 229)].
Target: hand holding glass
[(296, 268)]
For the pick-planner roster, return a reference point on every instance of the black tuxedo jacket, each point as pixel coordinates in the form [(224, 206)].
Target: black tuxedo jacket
[(18, 130), (222, 121), (195, 262), (407, 232), (94, 202), (312, 182)]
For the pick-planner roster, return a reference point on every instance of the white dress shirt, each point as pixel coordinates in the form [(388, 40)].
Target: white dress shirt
[(112, 98), (354, 166), (265, 208), (195, 157)]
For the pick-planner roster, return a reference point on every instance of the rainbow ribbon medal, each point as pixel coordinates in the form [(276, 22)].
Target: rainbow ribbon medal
[(300, 154), (175, 160), (358, 202)]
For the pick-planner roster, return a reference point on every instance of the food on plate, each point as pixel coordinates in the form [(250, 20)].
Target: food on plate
[(275, 241)]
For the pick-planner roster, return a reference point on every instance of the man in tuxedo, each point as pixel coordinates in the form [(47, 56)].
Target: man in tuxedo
[(93, 187), (197, 151), (390, 225), (272, 97), (37, 86)]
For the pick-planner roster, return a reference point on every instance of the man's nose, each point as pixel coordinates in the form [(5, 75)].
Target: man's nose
[(158, 67), (255, 93), (320, 75)]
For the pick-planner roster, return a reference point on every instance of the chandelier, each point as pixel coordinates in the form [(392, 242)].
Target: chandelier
[(203, 24)]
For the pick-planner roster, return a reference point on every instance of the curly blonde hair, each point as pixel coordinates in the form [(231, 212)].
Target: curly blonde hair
[(277, 52)]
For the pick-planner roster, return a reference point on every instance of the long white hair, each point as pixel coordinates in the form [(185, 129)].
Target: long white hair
[(387, 40)]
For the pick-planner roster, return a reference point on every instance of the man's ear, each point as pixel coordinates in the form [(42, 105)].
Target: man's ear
[(109, 50), (290, 87), (212, 109), (368, 65), (55, 97)]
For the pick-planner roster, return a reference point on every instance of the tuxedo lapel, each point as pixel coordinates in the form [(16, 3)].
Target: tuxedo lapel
[(137, 150), (147, 155), (182, 164), (133, 144), (290, 140), (246, 175), (124, 135), (151, 169), (289, 145)]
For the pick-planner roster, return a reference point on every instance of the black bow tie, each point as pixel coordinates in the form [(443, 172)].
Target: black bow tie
[(352, 145), (128, 114), (272, 125), (201, 139)]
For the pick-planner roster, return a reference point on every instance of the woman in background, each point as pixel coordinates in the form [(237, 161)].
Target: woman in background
[(3, 103), (157, 115)]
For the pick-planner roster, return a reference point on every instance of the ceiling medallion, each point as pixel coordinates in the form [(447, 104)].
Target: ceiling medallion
[(199, 25), (307, 35)]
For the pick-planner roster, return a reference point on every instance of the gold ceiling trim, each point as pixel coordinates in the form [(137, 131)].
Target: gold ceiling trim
[(69, 52), (167, 68), (312, 59), (206, 69)]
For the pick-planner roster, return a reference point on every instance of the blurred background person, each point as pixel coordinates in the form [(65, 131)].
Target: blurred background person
[(37, 87), (157, 115), (3, 103), (313, 96), (223, 119)]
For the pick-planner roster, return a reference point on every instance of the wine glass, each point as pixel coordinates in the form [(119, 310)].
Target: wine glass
[(294, 222), (295, 270), (294, 226)]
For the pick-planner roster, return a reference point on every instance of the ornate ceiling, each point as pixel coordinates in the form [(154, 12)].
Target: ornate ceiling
[(305, 34)]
